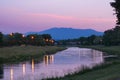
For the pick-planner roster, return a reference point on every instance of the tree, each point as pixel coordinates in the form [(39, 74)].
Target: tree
[(83, 40), (1, 38), (116, 5), (112, 36), (47, 38), (35, 39), (91, 39)]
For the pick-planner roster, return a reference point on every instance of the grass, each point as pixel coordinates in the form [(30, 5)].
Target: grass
[(22, 53), (110, 70), (114, 50), (104, 72)]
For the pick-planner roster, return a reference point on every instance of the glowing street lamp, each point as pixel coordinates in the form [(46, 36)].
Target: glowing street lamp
[(52, 41), (11, 34), (46, 40), (32, 37), (23, 36)]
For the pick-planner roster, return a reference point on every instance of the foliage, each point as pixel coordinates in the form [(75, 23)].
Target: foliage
[(20, 39), (90, 40), (116, 5), (112, 36), (1, 38)]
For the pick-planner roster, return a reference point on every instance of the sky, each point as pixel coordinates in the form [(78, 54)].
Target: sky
[(37, 15)]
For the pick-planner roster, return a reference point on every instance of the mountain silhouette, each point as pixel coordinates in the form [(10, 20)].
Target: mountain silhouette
[(68, 33)]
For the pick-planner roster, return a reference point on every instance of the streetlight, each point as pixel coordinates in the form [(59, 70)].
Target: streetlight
[(52, 41), (46, 40), (32, 37), (11, 34), (23, 36)]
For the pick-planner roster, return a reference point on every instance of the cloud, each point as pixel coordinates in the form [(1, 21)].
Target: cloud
[(52, 16)]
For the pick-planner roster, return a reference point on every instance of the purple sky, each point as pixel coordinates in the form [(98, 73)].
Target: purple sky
[(37, 15)]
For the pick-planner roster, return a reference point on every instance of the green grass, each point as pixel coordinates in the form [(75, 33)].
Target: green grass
[(114, 50), (106, 72), (21, 53), (109, 71)]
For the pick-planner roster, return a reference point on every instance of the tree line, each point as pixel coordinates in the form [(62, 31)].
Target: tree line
[(20, 39), (90, 40)]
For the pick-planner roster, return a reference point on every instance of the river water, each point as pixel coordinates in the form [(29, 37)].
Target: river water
[(62, 63)]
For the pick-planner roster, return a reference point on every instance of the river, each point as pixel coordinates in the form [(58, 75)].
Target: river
[(62, 63)]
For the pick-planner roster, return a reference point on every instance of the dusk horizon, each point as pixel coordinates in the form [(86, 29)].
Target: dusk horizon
[(25, 16)]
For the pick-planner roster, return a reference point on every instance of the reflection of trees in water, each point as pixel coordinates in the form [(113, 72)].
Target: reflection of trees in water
[(1, 71)]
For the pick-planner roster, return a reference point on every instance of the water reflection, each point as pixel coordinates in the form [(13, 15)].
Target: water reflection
[(1, 71), (33, 66), (95, 56), (48, 59), (24, 69), (64, 62), (45, 59), (51, 59), (11, 74)]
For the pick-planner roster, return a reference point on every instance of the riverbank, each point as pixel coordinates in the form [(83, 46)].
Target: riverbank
[(22, 53), (110, 70)]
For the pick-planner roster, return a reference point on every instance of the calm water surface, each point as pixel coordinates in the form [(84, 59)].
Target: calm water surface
[(63, 62)]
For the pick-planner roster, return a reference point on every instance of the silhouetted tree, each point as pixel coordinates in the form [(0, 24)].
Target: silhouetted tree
[(1, 38), (91, 39), (47, 38), (83, 40), (98, 40), (116, 5), (19, 39), (112, 36)]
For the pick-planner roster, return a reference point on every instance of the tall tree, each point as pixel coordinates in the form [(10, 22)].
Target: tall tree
[(116, 5), (112, 36), (1, 38)]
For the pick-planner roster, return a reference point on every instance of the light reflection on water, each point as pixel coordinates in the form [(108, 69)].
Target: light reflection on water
[(64, 62)]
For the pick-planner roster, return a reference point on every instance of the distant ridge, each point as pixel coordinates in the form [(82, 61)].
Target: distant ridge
[(67, 33)]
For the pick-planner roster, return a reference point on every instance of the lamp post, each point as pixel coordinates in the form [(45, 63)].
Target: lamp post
[(32, 37)]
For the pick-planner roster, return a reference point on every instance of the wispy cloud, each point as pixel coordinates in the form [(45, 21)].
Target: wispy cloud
[(54, 16)]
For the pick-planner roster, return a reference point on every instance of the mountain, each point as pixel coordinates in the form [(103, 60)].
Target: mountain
[(68, 33)]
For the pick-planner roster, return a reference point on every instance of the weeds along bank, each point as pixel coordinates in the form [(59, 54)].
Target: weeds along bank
[(22, 53)]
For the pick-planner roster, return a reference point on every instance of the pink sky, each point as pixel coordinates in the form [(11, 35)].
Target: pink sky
[(37, 15)]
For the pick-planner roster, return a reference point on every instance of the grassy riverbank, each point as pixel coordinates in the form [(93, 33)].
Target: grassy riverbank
[(21, 53), (110, 50), (109, 71)]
